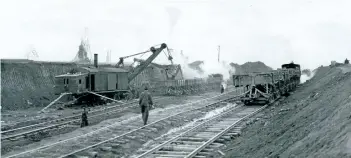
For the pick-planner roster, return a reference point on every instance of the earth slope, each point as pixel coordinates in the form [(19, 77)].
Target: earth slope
[(250, 67), (314, 121), (27, 83)]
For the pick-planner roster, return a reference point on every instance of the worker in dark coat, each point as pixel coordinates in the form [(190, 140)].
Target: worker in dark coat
[(84, 118), (145, 102), (222, 88)]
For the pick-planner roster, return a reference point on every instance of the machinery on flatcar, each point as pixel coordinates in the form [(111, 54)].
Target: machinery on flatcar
[(265, 87), (88, 84)]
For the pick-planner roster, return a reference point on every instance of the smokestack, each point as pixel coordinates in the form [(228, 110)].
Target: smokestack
[(96, 60)]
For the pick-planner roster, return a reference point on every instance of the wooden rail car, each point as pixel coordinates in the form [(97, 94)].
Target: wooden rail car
[(264, 87)]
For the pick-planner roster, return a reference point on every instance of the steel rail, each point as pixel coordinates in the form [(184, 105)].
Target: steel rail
[(106, 127), (192, 154), (111, 139), (64, 123), (59, 119), (186, 132), (211, 140)]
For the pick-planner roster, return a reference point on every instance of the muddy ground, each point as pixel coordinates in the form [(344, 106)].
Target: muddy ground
[(10, 117), (314, 121), (127, 114)]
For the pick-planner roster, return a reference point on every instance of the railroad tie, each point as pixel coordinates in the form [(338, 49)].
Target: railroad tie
[(193, 139), (188, 142), (203, 153), (216, 145), (187, 148)]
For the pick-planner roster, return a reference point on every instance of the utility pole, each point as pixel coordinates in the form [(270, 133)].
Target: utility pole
[(108, 57), (219, 51)]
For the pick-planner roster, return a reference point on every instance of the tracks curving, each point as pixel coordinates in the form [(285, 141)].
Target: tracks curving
[(114, 132), (201, 139)]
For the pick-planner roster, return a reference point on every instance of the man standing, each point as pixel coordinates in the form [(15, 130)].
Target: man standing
[(222, 88), (145, 102), (84, 119)]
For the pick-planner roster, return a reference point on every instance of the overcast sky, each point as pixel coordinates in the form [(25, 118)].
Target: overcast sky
[(308, 32)]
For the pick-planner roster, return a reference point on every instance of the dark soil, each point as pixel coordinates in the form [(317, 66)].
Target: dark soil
[(314, 121)]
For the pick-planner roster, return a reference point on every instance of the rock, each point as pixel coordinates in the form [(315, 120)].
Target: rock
[(93, 154), (154, 129), (105, 148), (131, 137), (115, 146), (265, 124)]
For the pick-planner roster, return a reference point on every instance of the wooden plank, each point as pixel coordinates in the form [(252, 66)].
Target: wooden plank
[(107, 98), (112, 80), (122, 81), (53, 102)]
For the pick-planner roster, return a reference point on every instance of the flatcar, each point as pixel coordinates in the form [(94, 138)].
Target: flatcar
[(265, 87)]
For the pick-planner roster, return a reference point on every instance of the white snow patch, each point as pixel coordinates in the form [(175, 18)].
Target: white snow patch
[(207, 116)]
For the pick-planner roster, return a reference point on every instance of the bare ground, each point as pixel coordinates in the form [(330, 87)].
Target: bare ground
[(129, 115), (314, 121), (11, 117)]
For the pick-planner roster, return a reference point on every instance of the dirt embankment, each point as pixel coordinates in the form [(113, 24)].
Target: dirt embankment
[(314, 121), (249, 67), (29, 84)]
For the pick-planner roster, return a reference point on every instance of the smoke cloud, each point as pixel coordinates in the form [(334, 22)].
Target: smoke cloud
[(208, 67), (306, 77), (174, 15)]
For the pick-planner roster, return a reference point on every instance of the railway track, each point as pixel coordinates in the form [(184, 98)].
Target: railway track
[(24, 131), (202, 138), (23, 124), (123, 132)]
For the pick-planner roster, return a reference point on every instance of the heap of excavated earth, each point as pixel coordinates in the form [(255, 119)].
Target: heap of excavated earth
[(314, 121)]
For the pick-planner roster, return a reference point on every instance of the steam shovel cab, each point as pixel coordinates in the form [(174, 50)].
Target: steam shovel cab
[(106, 81)]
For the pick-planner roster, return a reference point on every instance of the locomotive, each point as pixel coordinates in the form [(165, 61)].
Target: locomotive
[(265, 87)]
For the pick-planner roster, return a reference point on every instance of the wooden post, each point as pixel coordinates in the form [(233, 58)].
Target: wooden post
[(53, 102), (107, 98)]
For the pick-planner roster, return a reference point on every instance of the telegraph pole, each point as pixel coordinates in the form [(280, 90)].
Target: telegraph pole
[(219, 51)]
